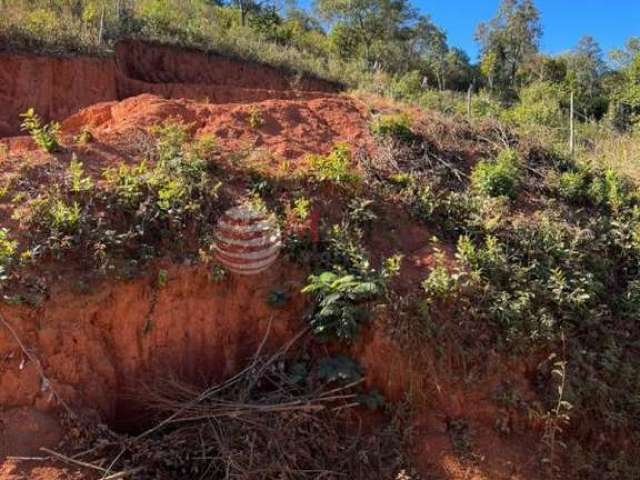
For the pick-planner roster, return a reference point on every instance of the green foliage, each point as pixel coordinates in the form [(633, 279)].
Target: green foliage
[(79, 183), (163, 278), (335, 167), (499, 177), (302, 208), (256, 118), (539, 106), (128, 183), (396, 127), (8, 249), (600, 188), (340, 301), (218, 273), (45, 136), (348, 285)]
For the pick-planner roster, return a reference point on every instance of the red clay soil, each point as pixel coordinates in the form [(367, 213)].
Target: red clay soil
[(57, 87), (289, 128), (96, 347)]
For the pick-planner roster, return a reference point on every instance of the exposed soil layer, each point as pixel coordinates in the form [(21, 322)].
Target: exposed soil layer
[(97, 346), (100, 345), (57, 87)]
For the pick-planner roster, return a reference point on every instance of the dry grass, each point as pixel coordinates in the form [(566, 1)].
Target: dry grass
[(620, 152)]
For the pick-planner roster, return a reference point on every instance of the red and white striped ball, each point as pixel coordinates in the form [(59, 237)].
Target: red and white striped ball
[(247, 241)]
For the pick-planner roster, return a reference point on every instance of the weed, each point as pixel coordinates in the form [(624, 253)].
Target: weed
[(7, 252), (360, 212), (85, 137), (557, 418), (162, 279), (255, 117), (336, 166), (397, 127), (302, 208), (79, 183), (45, 136), (340, 298), (499, 177), (218, 273)]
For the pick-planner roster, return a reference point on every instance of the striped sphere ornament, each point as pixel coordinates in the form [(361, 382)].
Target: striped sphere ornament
[(247, 240)]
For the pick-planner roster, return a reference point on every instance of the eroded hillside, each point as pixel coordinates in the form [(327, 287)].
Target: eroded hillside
[(116, 314)]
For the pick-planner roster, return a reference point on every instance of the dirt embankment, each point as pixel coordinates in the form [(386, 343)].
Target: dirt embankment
[(58, 87), (97, 346)]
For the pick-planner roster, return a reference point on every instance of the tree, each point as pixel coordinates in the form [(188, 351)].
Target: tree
[(507, 41), (585, 68), (368, 21)]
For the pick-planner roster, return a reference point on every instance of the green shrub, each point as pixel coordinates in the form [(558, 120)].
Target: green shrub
[(499, 177), (539, 106), (7, 252), (128, 183), (78, 182), (407, 86), (610, 189), (336, 166), (45, 136), (340, 300), (397, 126)]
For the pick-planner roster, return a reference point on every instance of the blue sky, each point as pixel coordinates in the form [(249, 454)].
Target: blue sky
[(610, 22)]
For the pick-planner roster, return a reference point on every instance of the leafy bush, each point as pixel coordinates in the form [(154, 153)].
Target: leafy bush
[(396, 126), (610, 189), (407, 86), (499, 177), (340, 300), (45, 136), (336, 166), (539, 106), (79, 182)]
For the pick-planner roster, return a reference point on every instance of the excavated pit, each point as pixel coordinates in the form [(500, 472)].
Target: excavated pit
[(59, 87)]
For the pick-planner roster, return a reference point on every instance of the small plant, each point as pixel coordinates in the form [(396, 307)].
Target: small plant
[(340, 303), (339, 369), (79, 183), (396, 127), (342, 297), (360, 212), (572, 186), (128, 183), (45, 136), (302, 208), (163, 278), (500, 177), (7, 251), (85, 137), (256, 118), (336, 166), (205, 146), (64, 217), (558, 417)]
